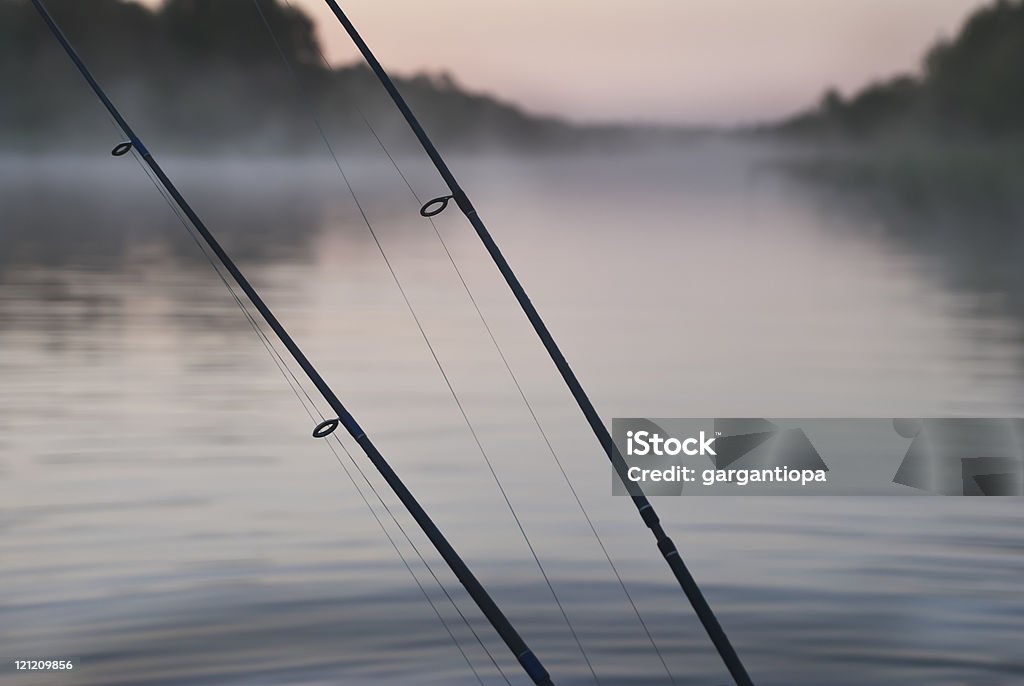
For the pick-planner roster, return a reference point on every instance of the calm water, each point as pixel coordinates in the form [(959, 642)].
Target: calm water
[(167, 519)]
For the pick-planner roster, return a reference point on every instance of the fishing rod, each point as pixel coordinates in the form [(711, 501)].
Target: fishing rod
[(527, 659), (434, 207)]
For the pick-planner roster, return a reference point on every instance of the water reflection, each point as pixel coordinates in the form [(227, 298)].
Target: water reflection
[(958, 213)]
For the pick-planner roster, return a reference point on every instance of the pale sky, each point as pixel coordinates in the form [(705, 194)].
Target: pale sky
[(675, 61)]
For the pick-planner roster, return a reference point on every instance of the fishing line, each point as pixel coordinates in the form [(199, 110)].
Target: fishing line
[(508, 367), (299, 390), (519, 388), (307, 101)]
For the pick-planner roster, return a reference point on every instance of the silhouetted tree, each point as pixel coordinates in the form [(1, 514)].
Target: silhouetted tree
[(977, 80)]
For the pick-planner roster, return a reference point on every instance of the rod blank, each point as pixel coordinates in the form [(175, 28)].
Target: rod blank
[(530, 663), (665, 545)]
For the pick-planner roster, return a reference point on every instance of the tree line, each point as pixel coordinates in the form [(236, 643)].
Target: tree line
[(970, 86), (205, 74)]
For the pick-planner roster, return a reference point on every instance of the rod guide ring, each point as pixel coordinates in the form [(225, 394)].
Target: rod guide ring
[(326, 428), (122, 149), (435, 206)]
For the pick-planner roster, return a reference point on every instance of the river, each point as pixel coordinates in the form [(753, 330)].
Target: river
[(166, 517)]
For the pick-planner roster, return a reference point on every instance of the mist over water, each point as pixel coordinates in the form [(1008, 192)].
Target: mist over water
[(167, 519)]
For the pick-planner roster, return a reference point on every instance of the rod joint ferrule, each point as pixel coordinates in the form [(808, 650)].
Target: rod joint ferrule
[(649, 516)]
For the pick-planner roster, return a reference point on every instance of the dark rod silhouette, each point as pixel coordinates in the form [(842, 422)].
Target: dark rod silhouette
[(501, 624), (643, 505)]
